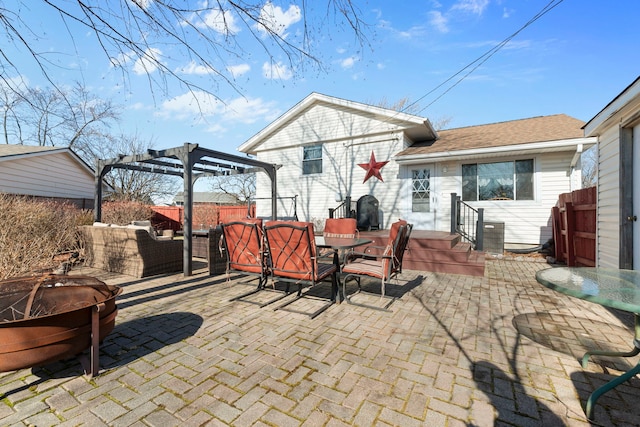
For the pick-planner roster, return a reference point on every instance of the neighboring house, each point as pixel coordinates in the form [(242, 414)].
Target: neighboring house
[(48, 172), (208, 198), (514, 170), (617, 128)]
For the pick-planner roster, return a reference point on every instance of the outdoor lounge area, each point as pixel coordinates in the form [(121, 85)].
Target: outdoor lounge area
[(454, 350)]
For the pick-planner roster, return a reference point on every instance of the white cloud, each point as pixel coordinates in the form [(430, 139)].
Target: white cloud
[(238, 70), (218, 20), (438, 21), (250, 110), (276, 71), (143, 4), (277, 20), (193, 68), (202, 108), (476, 7), (191, 105), (122, 59), (349, 62), (148, 63)]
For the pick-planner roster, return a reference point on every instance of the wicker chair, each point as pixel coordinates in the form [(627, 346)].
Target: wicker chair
[(292, 253), (130, 250), (380, 262)]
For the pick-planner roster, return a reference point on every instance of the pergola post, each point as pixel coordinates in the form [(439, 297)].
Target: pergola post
[(190, 158), (186, 158)]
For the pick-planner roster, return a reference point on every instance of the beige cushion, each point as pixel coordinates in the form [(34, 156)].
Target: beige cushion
[(148, 228)]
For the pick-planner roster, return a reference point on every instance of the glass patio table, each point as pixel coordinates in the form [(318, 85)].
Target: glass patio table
[(608, 287)]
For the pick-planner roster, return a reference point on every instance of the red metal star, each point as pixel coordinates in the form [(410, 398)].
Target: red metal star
[(372, 168)]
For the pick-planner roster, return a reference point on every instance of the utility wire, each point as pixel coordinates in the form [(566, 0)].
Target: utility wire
[(475, 64)]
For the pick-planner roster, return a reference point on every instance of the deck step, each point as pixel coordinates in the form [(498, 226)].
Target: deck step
[(435, 251)]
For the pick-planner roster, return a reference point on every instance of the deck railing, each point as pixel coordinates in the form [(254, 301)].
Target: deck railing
[(343, 210), (467, 221)]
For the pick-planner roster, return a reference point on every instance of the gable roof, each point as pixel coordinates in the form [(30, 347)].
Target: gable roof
[(18, 151), (416, 127), (545, 133)]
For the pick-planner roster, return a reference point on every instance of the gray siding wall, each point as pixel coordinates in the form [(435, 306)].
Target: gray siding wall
[(50, 175)]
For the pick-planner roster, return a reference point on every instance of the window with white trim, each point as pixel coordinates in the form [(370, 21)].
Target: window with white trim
[(511, 180), (312, 159)]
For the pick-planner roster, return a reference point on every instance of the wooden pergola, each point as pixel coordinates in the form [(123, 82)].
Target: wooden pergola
[(189, 162)]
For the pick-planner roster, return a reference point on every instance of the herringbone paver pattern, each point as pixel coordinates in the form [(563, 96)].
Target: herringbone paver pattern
[(498, 350)]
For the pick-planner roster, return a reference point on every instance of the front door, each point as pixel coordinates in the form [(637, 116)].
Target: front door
[(422, 212)]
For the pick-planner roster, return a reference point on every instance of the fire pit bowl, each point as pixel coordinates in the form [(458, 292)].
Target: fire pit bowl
[(50, 317)]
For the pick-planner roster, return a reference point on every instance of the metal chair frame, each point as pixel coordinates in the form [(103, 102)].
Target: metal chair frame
[(293, 257), (244, 244), (384, 263)]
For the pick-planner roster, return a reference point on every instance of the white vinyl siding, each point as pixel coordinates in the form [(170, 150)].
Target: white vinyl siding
[(528, 221), (608, 223), (46, 175)]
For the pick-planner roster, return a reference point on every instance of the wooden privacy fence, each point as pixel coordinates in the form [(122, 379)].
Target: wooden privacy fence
[(204, 216), (574, 228)]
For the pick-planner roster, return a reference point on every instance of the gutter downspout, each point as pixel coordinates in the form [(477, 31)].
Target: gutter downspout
[(572, 167)]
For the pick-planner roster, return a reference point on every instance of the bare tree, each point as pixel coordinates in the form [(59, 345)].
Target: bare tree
[(405, 105), (153, 33), (242, 186), (589, 161), (132, 185), (47, 117)]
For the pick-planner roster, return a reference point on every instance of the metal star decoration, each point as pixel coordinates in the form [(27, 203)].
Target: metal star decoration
[(372, 168)]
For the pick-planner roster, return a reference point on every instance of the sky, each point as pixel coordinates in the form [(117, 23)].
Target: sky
[(574, 59)]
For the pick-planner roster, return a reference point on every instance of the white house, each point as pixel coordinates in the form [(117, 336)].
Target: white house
[(330, 148), (51, 172), (617, 128)]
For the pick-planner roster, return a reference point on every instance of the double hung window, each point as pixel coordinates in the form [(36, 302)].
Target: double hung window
[(311, 159)]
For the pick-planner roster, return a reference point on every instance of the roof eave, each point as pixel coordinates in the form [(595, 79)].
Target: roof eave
[(625, 101), (519, 149)]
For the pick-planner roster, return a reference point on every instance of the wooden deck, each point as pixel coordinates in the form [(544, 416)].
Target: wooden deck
[(436, 251)]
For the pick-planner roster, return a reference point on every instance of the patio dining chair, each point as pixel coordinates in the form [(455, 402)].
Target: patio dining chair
[(379, 262), (340, 228), (243, 243), (292, 253)]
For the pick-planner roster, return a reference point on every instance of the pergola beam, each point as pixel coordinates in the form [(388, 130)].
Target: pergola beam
[(191, 158)]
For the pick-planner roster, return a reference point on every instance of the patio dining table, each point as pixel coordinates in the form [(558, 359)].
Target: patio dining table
[(339, 244), (609, 287)]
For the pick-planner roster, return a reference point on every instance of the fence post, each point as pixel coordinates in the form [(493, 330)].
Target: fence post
[(454, 213), (570, 236), (480, 230)]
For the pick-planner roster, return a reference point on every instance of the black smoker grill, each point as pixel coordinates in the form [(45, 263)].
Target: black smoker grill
[(367, 213)]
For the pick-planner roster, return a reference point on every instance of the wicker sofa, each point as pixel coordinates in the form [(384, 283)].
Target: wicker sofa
[(132, 250)]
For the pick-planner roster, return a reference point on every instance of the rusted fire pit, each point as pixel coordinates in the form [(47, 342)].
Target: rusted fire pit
[(50, 317)]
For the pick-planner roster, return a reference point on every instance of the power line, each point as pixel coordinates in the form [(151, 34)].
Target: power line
[(475, 64)]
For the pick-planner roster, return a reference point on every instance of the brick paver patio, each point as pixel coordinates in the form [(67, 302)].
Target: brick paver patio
[(498, 350)]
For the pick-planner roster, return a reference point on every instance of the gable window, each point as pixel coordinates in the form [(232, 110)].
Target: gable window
[(421, 190), (311, 159), (498, 181)]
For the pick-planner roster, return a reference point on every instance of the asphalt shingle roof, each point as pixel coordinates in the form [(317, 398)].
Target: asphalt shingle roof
[(536, 129)]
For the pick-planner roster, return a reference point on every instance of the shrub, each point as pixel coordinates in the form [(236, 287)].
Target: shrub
[(34, 231), (123, 213)]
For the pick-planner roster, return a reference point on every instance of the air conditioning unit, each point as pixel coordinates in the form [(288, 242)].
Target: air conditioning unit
[(493, 237)]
